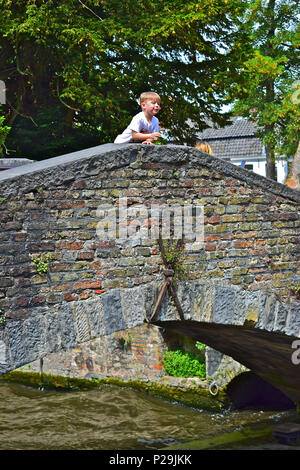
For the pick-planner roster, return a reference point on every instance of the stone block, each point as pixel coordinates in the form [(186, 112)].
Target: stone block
[(223, 304), (113, 315)]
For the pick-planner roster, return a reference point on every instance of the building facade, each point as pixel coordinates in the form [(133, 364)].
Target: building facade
[(238, 144)]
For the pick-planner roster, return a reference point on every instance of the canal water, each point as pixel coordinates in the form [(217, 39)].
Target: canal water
[(108, 418)]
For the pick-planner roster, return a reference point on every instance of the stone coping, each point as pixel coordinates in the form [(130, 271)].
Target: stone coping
[(93, 161)]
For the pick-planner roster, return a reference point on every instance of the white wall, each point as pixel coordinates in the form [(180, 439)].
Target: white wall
[(259, 167)]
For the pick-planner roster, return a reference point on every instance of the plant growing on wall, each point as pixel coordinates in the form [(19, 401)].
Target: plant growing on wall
[(174, 257), (124, 338), (41, 262), (2, 317), (295, 290)]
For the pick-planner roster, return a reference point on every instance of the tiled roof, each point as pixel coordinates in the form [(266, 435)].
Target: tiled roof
[(249, 147), (239, 128), (237, 140)]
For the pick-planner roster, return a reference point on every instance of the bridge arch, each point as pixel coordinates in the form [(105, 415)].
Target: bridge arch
[(238, 282)]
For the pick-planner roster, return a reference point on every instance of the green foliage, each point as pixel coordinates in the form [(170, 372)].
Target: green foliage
[(48, 134), (201, 348), (74, 70), (175, 255), (161, 141), (124, 338), (295, 290), (183, 364), (2, 317), (4, 130), (42, 261), (266, 87)]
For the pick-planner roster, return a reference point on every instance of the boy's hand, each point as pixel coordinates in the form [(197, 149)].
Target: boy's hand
[(155, 135)]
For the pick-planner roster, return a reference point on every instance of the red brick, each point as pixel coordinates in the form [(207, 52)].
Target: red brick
[(243, 244), (85, 295), (20, 236), (108, 244), (263, 277), (23, 281), (210, 247), (70, 297), (61, 287), (70, 204), (227, 236), (87, 285), (211, 238), (95, 265), (246, 235), (74, 246), (59, 194), (38, 299), (21, 302), (89, 255), (102, 273), (215, 219), (59, 267), (205, 191), (262, 251)]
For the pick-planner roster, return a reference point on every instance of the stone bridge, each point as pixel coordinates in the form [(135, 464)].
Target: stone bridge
[(239, 294)]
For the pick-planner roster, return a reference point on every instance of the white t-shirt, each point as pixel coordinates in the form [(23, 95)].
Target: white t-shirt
[(138, 123)]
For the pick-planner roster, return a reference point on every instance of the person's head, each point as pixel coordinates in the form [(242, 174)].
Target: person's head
[(150, 101), (204, 147)]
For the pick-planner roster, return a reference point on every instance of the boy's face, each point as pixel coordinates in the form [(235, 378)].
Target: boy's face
[(151, 107)]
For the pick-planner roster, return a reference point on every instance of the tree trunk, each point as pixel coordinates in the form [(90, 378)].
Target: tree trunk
[(270, 164), (270, 90)]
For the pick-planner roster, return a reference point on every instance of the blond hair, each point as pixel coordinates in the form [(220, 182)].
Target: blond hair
[(204, 147), (149, 95)]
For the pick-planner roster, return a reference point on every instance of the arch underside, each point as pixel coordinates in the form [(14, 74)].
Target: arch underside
[(268, 354)]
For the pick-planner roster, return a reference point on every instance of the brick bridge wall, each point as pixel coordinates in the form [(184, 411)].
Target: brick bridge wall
[(251, 228)]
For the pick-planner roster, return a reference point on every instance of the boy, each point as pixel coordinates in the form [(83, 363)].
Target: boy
[(144, 125)]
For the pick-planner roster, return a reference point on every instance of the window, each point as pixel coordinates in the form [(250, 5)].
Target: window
[(249, 167)]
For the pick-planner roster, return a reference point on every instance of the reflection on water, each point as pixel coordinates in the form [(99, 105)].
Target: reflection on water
[(108, 418)]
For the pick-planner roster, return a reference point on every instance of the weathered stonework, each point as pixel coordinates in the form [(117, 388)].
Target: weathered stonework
[(241, 277), (134, 354)]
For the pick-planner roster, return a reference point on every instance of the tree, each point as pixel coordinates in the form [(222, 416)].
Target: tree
[(293, 177), (4, 130), (75, 68), (264, 89)]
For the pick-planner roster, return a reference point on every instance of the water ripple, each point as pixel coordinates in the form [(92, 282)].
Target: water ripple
[(107, 418)]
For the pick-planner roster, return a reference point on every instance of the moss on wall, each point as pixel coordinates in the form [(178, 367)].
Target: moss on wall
[(198, 398)]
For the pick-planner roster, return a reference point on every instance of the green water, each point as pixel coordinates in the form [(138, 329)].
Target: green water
[(107, 418)]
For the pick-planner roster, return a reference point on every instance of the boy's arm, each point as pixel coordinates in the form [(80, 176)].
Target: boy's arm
[(142, 136)]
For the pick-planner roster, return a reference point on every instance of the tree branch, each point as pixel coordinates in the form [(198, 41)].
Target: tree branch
[(90, 10), (62, 102), (17, 112)]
